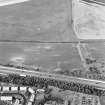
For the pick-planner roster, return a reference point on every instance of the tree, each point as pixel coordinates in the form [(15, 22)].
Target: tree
[(77, 73)]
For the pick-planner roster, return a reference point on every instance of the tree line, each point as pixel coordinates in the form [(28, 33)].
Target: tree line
[(44, 82)]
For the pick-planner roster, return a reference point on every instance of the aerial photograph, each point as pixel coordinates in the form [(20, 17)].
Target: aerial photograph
[(52, 52)]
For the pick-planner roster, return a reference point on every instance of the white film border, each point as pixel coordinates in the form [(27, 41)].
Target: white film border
[(11, 2)]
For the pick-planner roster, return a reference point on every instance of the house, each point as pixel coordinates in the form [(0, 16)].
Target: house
[(6, 98), (14, 88), (23, 88), (5, 88)]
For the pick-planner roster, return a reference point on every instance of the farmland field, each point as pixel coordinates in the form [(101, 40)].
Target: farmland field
[(21, 25), (38, 20), (46, 56), (97, 50), (90, 23), (45, 20)]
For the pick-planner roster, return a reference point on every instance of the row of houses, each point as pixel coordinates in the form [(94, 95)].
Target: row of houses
[(13, 88), (20, 89), (17, 89)]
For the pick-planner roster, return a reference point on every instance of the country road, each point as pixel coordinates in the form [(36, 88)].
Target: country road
[(97, 83)]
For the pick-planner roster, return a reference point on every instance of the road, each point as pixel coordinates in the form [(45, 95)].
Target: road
[(97, 83), (81, 56)]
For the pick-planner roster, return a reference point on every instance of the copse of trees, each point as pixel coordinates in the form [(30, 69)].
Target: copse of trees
[(96, 76), (90, 60), (94, 69), (77, 73)]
